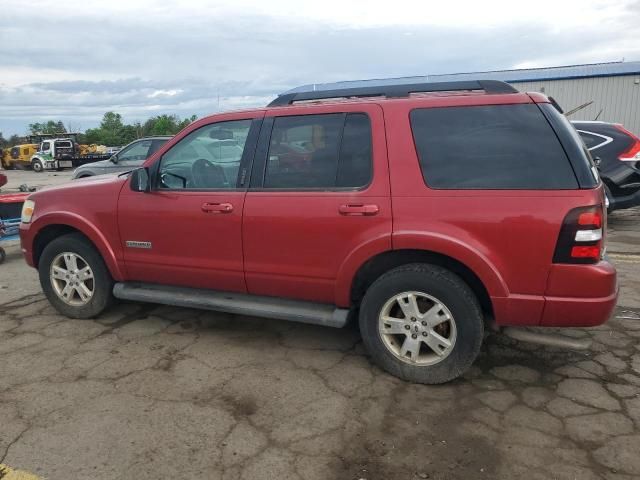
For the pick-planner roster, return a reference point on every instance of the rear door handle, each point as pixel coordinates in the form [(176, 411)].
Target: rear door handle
[(217, 207), (353, 209)]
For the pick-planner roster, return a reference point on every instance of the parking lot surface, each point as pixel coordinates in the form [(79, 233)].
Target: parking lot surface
[(151, 392)]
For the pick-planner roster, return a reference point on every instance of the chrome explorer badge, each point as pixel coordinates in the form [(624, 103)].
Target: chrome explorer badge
[(135, 244)]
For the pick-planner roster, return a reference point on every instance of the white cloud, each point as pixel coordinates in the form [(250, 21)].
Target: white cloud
[(72, 59)]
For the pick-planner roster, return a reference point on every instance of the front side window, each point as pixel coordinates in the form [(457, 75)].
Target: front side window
[(319, 151), (136, 152), (490, 147), (45, 146), (207, 158)]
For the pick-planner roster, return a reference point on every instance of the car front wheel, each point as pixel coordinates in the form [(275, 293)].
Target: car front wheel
[(74, 277), (422, 323), (37, 165)]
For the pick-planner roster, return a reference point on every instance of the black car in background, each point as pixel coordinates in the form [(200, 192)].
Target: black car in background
[(617, 151)]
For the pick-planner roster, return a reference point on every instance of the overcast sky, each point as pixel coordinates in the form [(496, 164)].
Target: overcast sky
[(75, 59)]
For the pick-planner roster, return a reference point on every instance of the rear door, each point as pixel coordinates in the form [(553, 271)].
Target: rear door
[(319, 191)]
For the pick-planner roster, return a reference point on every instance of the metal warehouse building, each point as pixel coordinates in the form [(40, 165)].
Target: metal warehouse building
[(614, 88)]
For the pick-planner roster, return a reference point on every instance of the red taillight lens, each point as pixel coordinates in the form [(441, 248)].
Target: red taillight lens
[(581, 236), (592, 252), (593, 219), (631, 154)]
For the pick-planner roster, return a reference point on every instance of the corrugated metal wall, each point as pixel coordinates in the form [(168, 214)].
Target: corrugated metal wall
[(617, 97)]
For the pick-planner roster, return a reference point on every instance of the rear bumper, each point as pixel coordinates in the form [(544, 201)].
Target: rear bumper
[(576, 296), (577, 312), (626, 201)]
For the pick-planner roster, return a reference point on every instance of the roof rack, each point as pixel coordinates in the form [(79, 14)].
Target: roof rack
[(394, 91)]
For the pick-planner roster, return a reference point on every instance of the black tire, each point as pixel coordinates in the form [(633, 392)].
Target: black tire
[(103, 282), (37, 165), (453, 293), (3, 255)]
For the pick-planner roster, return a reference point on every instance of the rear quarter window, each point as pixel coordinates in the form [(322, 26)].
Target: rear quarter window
[(490, 147)]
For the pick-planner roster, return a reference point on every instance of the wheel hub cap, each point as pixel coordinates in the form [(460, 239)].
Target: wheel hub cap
[(417, 328), (72, 279)]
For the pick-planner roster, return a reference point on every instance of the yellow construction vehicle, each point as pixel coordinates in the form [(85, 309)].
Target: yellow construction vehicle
[(93, 148), (18, 155)]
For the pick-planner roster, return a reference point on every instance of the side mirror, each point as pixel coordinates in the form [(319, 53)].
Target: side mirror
[(114, 158), (140, 180)]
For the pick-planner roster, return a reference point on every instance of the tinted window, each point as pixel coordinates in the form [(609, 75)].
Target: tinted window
[(319, 151), (354, 169), (206, 158), (45, 146), (156, 144), (136, 152), (490, 147)]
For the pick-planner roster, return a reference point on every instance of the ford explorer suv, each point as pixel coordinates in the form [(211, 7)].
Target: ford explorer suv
[(130, 157), (430, 212)]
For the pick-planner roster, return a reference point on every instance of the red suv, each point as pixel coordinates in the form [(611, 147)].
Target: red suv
[(430, 211)]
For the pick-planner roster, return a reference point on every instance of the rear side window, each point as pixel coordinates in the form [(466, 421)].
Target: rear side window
[(490, 147), (590, 140), (319, 151)]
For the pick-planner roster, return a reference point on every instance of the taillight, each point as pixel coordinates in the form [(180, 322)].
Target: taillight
[(631, 154), (581, 238)]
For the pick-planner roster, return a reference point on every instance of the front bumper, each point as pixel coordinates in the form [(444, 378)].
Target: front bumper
[(26, 244)]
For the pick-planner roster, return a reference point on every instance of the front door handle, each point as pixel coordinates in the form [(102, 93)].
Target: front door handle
[(217, 207), (358, 209)]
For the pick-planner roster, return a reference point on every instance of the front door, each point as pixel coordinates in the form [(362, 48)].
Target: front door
[(188, 230), (314, 200)]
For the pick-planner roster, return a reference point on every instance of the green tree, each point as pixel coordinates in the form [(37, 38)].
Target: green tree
[(49, 126), (112, 130), (165, 124)]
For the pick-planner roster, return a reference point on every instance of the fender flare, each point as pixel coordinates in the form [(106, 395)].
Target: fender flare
[(431, 242), (358, 257), (70, 219)]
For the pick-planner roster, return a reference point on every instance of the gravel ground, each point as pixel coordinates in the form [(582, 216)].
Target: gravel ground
[(150, 391)]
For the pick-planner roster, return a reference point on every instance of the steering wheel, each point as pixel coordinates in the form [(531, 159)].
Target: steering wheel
[(205, 174)]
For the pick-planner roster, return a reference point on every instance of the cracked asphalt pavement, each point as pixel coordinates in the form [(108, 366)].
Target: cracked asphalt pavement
[(149, 392)]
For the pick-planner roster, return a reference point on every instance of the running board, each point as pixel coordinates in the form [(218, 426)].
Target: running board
[(238, 303), (547, 339)]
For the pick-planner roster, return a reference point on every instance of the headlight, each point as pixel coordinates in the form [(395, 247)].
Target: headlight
[(27, 211)]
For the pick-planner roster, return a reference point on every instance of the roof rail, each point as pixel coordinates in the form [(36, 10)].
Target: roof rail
[(394, 91)]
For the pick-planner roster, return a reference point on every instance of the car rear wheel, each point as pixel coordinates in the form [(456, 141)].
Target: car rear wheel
[(74, 277), (422, 323)]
